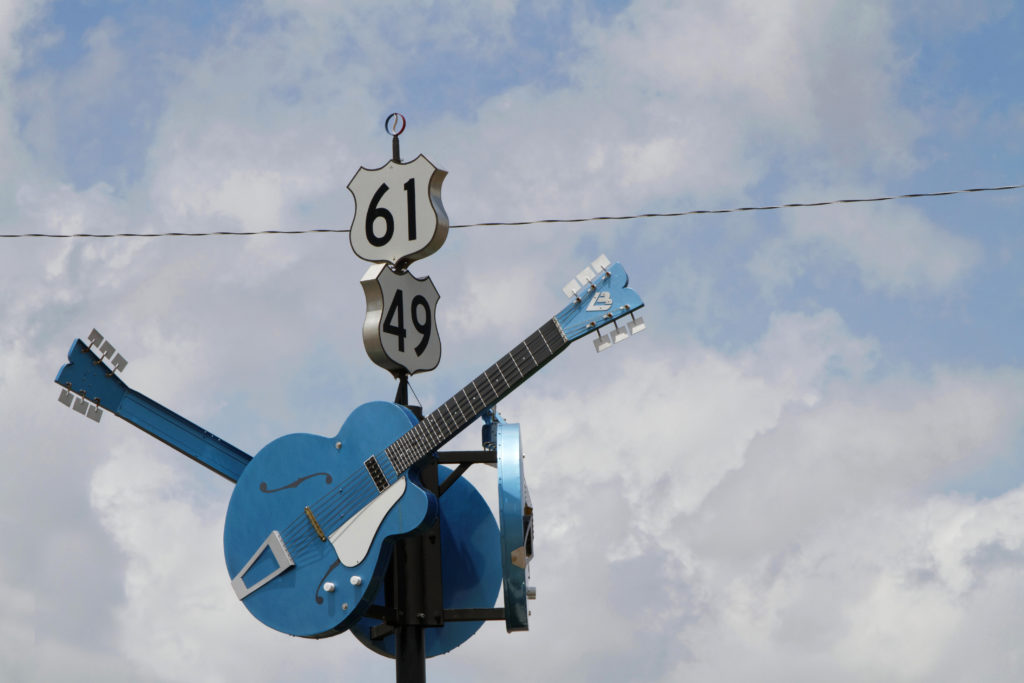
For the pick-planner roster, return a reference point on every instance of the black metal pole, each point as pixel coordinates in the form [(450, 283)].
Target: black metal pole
[(415, 581)]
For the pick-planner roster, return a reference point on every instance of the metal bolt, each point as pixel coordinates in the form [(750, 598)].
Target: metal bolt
[(337, 445)]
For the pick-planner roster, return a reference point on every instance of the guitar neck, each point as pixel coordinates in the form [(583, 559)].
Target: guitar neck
[(494, 384)]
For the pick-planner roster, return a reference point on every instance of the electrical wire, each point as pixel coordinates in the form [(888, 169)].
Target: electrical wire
[(694, 212)]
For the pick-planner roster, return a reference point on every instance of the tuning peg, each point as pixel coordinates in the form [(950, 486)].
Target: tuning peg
[(94, 413), (619, 334), (81, 405), (637, 325), (585, 276), (571, 288), (107, 349), (66, 397), (602, 342), (119, 363), (601, 263), (95, 338)]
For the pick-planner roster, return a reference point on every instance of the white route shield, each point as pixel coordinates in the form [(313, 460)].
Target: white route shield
[(398, 217), (400, 328)]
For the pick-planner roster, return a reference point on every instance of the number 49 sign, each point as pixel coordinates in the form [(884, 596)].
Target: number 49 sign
[(399, 331), (399, 217)]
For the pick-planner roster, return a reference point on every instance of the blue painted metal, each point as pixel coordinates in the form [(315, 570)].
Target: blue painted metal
[(303, 471), (86, 375), (471, 572), (516, 518)]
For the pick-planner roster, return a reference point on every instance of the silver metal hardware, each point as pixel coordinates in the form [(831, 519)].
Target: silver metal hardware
[(328, 586), (636, 325), (601, 263), (94, 413), (620, 334), (602, 342), (66, 397), (81, 405), (356, 581), (586, 275), (281, 556), (95, 338), (571, 288), (119, 363), (106, 349)]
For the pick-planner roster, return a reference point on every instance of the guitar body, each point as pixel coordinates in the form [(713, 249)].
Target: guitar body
[(316, 579)]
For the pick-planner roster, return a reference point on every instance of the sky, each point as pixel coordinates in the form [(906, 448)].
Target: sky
[(809, 467)]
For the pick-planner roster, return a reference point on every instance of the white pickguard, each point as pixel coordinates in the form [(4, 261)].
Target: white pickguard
[(353, 539)]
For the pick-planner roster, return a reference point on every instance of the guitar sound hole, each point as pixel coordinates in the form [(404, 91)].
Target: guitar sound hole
[(327, 480)]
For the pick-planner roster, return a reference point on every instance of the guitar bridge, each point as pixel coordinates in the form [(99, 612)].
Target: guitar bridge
[(282, 558)]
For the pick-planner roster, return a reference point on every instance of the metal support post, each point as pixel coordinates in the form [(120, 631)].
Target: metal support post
[(413, 583)]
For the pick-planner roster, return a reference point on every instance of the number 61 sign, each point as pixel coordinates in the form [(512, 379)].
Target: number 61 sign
[(398, 217), (399, 331)]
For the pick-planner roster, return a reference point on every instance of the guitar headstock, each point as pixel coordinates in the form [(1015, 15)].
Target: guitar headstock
[(87, 382), (600, 297)]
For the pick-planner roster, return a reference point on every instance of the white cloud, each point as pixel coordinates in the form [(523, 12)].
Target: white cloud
[(894, 247)]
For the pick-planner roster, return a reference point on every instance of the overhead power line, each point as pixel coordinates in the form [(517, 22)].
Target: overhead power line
[(495, 224)]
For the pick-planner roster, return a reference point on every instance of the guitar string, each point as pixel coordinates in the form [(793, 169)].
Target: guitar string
[(361, 495), (307, 531), (357, 492), (331, 515)]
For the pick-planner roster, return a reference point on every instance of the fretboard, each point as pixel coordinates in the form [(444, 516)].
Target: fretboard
[(494, 384)]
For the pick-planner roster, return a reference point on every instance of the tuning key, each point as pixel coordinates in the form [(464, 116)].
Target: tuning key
[(601, 263), (66, 397), (119, 363), (81, 405), (107, 349), (620, 334), (571, 288), (602, 342), (586, 275), (94, 413), (636, 325), (95, 338)]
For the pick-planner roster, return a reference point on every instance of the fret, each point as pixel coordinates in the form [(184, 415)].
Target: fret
[(429, 428), (435, 428), (481, 384), (476, 411), (521, 355), (440, 429), (450, 413), (538, 349), (491, 385), (508, 361), (497, 380), (455, 402), (508, 385), (469, 403)]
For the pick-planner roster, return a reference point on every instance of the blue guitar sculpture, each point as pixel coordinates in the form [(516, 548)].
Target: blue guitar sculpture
[(308, 529)]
